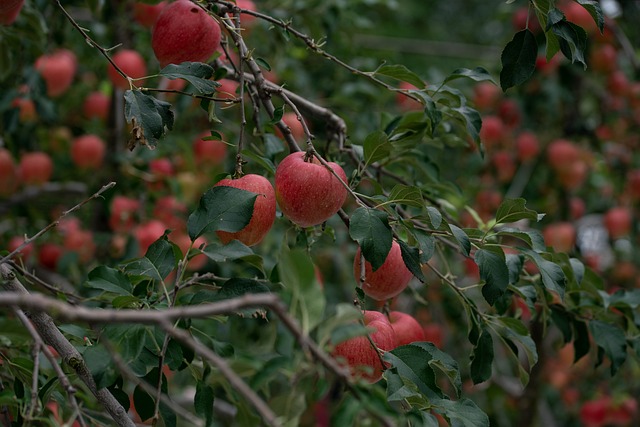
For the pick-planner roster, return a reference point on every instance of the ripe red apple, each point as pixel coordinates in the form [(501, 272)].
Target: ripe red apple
[(505, 165), (26, 107), (9, 11), (562, 154), (49, 254), (209, 151), (246, 19), (509, 112), (87, 151), (493, 131), (147, 233), (405, 103), (527, 146), (264, 209), (184, 32), (96, 105), (594, 412), (57, 70), (35, 168), (171, 212), (561, 236), (603, 58), (406, 327), (8, 173), (228, 89), (388, 280), (622, 413), (307, 192), (578, 15), (486, 95), (123, 213), (25, 253), (297, 130), (618, 83), (131, 63), (359, 354), (147, 14), (574, 175), (81, 242), (617, 221)]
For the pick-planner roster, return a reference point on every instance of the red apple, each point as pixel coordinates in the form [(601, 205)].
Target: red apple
[(26, 107), (184, 32), (131, 63), (264, 209), (147, 14), (388, 280), (594, 412), (297, 130), (505, 165), (405, 103), (147, 233), (578, 15), (8, 173), (123, 213), (81, 242), (57, 70), (307, 192), (15, 242), (96, 105), (171, 212), (87, 151), (617, 221), (527, 146), (622, 413), (9, 11), (406, 327), (246, 19), (433, 333), (358, 353), (509, 112), (603, 59), (49, 254), (562, 154), (35, 168), (209, 151), (493, 131), (228, 89), (560, 235), (486, 95), (618, 83)]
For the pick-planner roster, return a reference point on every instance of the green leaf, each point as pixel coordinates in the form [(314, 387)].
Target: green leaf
[(578, 269), (514, 265), (462, 238), (532, 237), (553, 278), (411, 258), (581, 343), (427, 245), (398, 388), (402, 73), (573, 41), (158, 262), (196, 73), (494, 272), (370, 228), (406, 195), (482, 358), (99, 363), (221, 208), (512, 210), (203, 402), (462, 413), (238, 286), (434, 216), (611, 341), (518, 59), (594, 9), (229, 252), (143, 402), (471, 119), (478, 74), (376, 147), (148, 116), (109, 280), (514, 330), (263, 63)]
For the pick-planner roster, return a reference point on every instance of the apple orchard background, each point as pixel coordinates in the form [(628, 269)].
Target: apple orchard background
[(514, 212)]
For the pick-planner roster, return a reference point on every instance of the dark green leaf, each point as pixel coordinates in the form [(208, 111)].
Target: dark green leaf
[(463, 413), (578, 269), (143, 403), (611, 341), (435, 216), (196, 73), (263, 63), (478, 74), (482, 358), (203, 402), (512, 210), (229, 252), (514, 265), (427, 245), (411, 258), (158, 262), (594, 9), (402, 73), (518, 59), (370, 228), (471, 119), (238, 286), (532, 237), (406, 195), (412, 362), (399, 389), (100, 365), (581, 342), (553, 278), (494, 272), (109, 280), (573, 41), (221, 208), (462, 238), (376, 147), (148, 116)]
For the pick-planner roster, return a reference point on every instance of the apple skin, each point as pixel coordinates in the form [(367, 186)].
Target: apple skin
[(80, 241), (493, 131), (184, 32), (617, 221), (96, 105), (147, 233), (594, 412), (87, 151), (246, 19), (35, 168), (123, 213), (358, 353), (209, 151), (297, 130), (560, 235), (9, 11), (131, 63), (307, 193), (388, 280), (264, 209), (405, 103), (57, 69), (406, 327), (527, 146), (8, 173), (49, 254), (147, 14)]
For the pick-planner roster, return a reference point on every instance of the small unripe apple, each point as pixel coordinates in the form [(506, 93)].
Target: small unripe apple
[(57, 70), (307, 192), (96, 105), (9, 11), (358, 353), (87, 151), (35, 168), (147, 14), (184, 32), (209, 151), (264, 209), (388, 280), (617, 221), (131, 63), (561, 236), (406, 327)]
